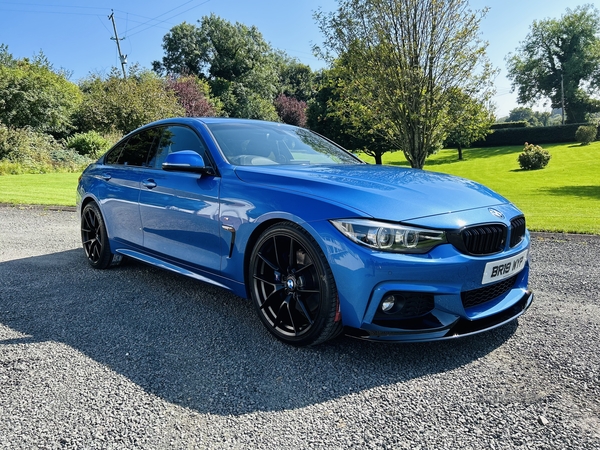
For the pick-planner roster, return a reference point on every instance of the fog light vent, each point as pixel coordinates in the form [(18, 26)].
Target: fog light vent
[(404, 305)]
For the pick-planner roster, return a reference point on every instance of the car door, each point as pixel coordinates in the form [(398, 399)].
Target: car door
[(119, 193), (180, 210)]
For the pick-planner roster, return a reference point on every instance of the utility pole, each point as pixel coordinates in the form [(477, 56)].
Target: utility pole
[(122, 57)]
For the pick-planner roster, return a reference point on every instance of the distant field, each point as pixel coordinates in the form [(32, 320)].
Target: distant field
[(563, 197)]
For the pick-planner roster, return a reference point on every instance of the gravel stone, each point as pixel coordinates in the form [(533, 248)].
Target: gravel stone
[(138, 358)]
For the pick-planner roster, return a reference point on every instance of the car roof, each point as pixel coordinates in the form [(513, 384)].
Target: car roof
[(208, 120)]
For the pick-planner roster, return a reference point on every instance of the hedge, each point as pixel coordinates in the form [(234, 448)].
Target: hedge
[(536, 135), (519, 124)]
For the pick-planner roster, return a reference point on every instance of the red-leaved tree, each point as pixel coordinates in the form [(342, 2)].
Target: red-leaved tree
[(291, 110), (192, 95)]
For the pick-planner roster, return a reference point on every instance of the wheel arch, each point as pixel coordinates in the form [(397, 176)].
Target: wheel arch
[(86, 201)]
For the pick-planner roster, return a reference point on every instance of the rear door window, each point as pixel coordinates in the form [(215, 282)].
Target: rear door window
[(138, 147), (113, 155)]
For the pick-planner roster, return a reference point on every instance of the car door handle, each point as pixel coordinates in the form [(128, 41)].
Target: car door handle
[(105, 176), (149, 183)]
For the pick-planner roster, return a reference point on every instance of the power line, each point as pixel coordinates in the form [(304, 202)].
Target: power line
[(61, 10), (47, 5), (167, 19), (48, 12), (160, 15)]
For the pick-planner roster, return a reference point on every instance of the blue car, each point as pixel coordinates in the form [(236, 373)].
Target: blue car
[(319, 241)]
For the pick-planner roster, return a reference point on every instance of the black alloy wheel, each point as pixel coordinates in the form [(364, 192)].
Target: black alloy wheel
[(95, 239), (292, 287)]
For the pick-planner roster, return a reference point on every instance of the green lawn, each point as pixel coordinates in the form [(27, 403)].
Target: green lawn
[(39, 189), (563, 197)]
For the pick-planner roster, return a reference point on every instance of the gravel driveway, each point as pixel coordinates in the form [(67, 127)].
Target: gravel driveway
[(136, 357)]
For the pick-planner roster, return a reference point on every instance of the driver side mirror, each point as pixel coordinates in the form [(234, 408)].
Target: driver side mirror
[(186, 161)]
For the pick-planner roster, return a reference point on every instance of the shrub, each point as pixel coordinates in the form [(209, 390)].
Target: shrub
[(91, 144), (533, 157), (24, 150), (586, 134)]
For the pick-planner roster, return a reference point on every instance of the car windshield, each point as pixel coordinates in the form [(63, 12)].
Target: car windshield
[(259, 144)]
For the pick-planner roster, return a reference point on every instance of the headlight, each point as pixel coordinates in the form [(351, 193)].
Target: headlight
[(389, 237)]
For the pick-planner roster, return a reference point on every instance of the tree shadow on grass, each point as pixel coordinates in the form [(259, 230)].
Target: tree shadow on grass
[(575, 191), (472, 154), (199, 346)]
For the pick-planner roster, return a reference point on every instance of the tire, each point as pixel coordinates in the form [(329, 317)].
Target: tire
[(95, 239), (292, 287)]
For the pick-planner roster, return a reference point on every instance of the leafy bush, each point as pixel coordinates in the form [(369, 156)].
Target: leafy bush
[(91, 144), (586, 134), (33, 95), (24, 150), (117, 104), (533, 157)]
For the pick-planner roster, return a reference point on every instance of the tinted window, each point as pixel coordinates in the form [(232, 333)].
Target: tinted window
[(175, 139), (138, 147), (113, 156)]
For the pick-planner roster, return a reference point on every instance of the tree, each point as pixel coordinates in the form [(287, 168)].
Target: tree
[(193, 94), (296, 80), (117, 104), (33, 95), (6, 58), (560, 56), (186, 52), (412, 52), (291, 110), (239, 65), (523, 114), (470, 120), (342, 113), (239, 100)]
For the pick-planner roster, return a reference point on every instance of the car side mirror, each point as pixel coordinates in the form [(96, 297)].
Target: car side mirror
[(186, 161)]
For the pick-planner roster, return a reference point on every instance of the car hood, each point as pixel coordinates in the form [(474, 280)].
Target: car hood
[(382, 192)]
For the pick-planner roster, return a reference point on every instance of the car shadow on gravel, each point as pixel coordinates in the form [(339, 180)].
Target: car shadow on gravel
[(199, 346)]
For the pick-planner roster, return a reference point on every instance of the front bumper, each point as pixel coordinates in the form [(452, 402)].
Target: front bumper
[(433, 327)]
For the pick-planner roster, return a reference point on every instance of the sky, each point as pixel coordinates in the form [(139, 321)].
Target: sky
[(76, 34)]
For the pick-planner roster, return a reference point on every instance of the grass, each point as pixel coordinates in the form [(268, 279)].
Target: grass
[(39, 189), (563, 197)]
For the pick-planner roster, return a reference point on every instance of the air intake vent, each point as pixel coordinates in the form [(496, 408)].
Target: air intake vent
[(485, 294)]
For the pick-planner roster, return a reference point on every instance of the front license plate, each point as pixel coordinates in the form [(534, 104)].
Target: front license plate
[(504, 268)]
